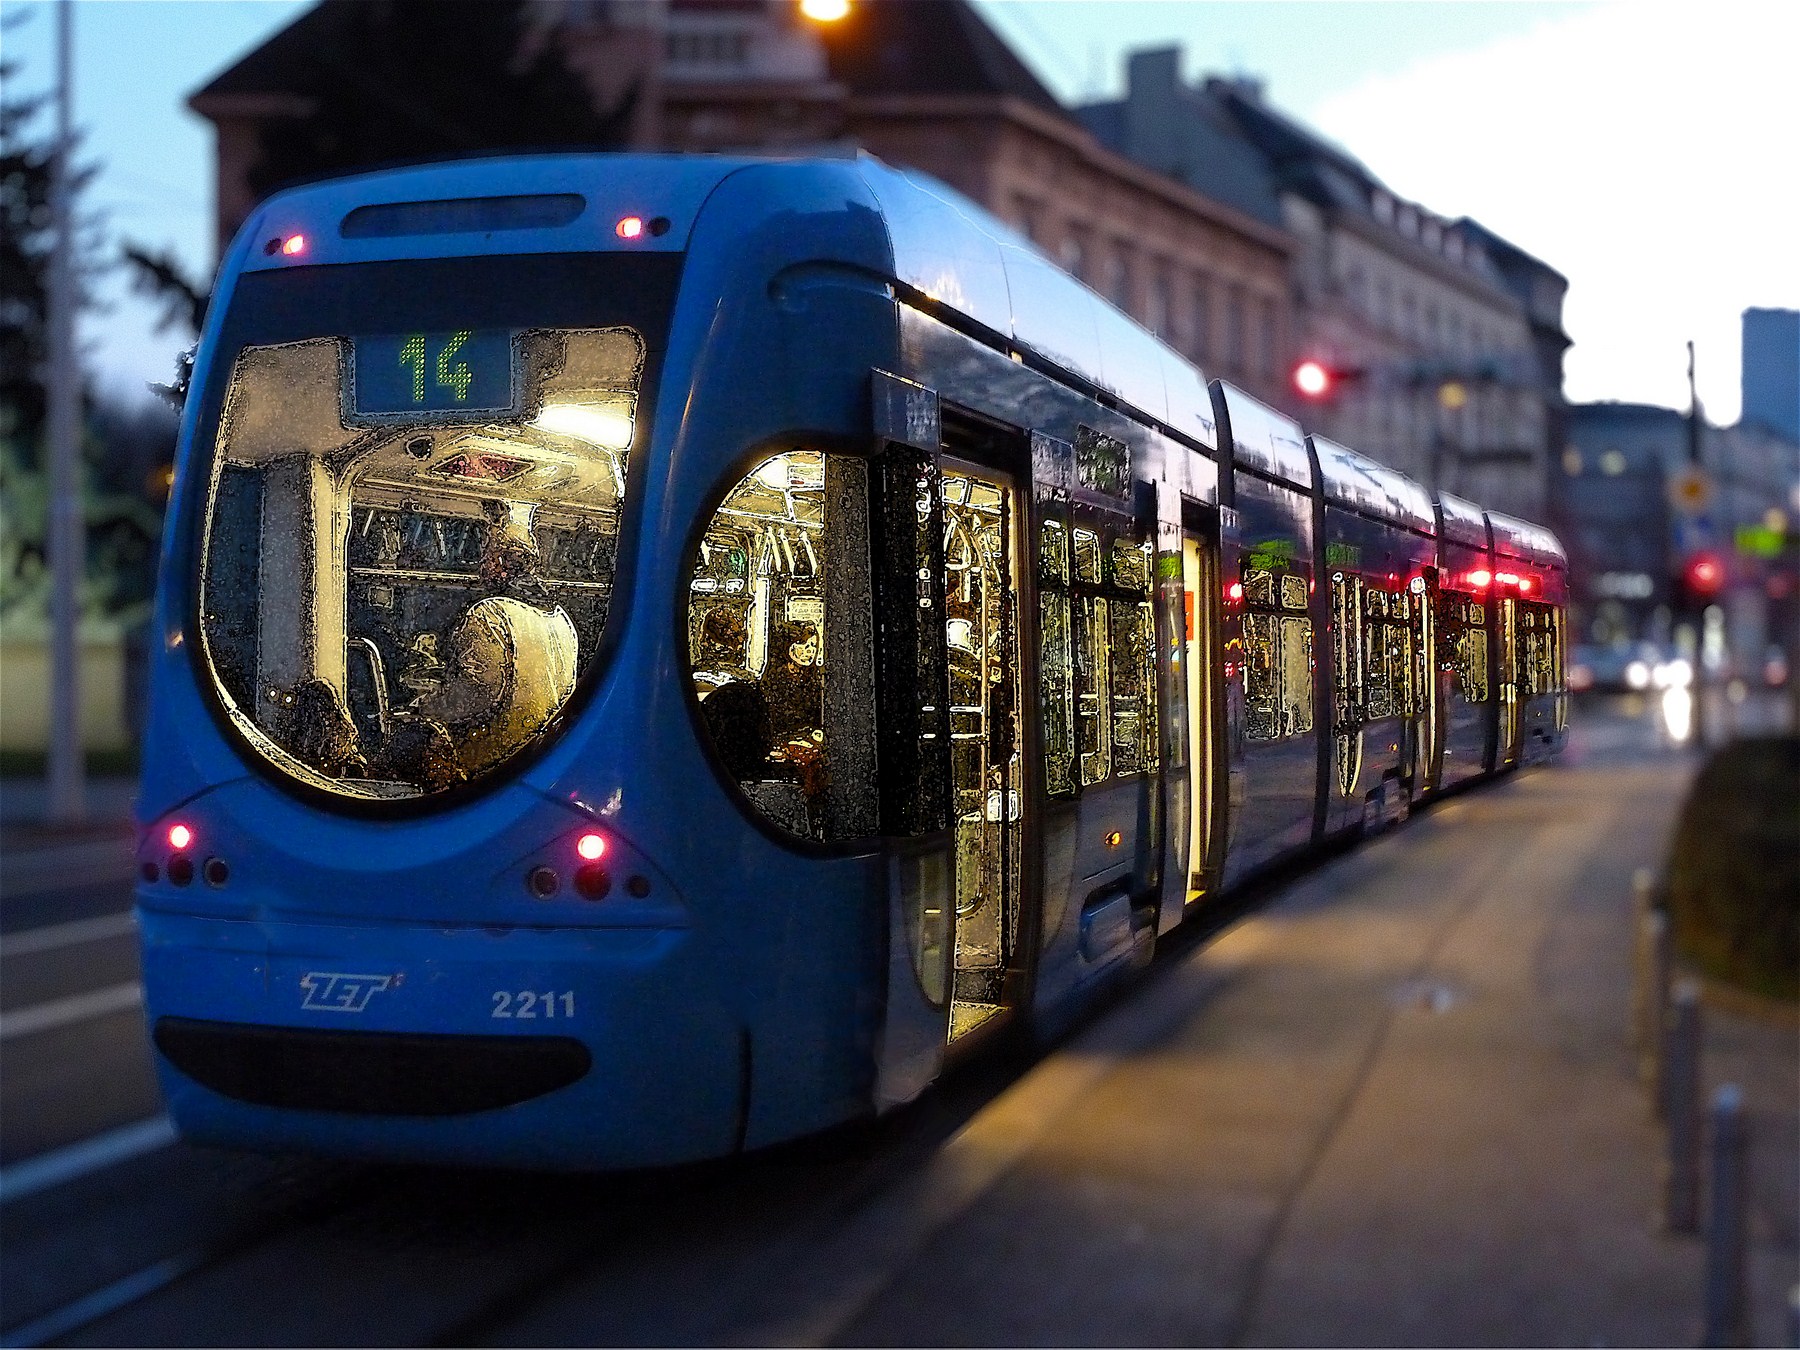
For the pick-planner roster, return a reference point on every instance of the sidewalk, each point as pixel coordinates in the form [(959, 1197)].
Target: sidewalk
[(1395, 1107)]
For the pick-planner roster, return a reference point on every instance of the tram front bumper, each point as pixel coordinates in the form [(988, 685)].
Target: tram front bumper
[(523, 1047)]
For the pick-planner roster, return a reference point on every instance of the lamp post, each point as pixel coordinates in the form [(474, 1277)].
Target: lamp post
[(66, 544)]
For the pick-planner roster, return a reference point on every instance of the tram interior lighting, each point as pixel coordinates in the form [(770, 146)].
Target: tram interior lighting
[(294, 245), (605, 427), (1480, 578), (180, 836), (591, 847), (629, 227)]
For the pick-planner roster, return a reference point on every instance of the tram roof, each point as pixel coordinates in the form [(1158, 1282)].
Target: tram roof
[(1461, 520), (945, 247), (1262, 439), (1521, 539), (1358, 482)]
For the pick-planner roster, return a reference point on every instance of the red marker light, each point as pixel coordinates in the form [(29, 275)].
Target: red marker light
[(590, 847), (294, 244), (1236, 592), (1480, 578), (180, 836), (1312, 379), (629, 227)]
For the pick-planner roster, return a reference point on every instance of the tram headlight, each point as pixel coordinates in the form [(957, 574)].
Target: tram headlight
[(591, 847), (180, 836)]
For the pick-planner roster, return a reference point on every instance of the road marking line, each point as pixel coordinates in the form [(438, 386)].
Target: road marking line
[(108, 1299), (21, 1179), (49, 938), (40, 871), (64, 1012)]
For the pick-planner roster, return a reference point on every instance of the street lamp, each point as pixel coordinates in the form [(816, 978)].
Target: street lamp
[(825, 11)]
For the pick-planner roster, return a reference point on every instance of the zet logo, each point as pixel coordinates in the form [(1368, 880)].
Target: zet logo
[(329, 992)]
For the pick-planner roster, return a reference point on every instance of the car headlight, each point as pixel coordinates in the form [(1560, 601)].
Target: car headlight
[(1637, 675)]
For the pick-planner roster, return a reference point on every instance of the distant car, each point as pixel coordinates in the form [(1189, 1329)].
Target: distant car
[(1775, 667), (1622, 667)]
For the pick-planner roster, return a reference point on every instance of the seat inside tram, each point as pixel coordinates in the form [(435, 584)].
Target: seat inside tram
[(410, 547)]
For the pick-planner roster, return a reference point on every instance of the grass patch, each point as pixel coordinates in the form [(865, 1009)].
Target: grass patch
[(100, 763), (1734, 868)]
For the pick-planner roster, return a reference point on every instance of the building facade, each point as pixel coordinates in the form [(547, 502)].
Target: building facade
[(1771, 370), (923, 84), (1629, 532), (1446, 342)]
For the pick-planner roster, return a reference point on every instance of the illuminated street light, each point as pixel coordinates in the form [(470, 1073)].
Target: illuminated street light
[(825, 11)]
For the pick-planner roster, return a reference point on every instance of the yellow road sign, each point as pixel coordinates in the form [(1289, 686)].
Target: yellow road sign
[(1690, 490)]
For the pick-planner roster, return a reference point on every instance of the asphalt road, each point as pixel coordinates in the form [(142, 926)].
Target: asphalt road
[(873, 1236)]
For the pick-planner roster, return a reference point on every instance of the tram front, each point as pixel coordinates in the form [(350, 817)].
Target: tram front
[(421, 871)]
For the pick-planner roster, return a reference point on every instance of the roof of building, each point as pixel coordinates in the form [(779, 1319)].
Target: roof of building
[(929, 47), (1214, 156), (277, 66)]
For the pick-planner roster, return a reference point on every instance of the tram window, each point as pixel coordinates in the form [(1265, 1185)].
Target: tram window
[(1130, 565), (1093, 685), (1133, 688), (397, 607), (1057, 668), (1278, 657), (1053, 553), (1087, 556), (778, 644), (1347, 651)]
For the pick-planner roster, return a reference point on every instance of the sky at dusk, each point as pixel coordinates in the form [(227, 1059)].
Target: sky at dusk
[(1637, 147)]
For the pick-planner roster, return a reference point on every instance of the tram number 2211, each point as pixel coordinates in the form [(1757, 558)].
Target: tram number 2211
[(527, 1002)]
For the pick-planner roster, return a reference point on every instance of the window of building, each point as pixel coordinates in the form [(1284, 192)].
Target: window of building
[(1073, 255), (1156, 302), (1118, 276), (1235, 356), (1201, 329), (1266, 347)]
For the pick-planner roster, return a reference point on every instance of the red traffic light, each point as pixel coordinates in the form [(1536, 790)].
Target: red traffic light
[(1704, 575), (1313, 380)]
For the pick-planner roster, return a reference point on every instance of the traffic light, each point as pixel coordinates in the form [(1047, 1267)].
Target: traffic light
[(1319, 381), (1702, 578), (1314, 381)]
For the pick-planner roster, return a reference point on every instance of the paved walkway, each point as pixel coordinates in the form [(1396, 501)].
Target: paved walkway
[(1397, 1107)]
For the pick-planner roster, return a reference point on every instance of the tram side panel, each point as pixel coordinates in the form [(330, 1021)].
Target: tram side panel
[(1271, 643), (1375, 572), (1466, 688)]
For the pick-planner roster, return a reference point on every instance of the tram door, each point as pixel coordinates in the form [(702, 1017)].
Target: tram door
[(1507, 640), (1200, 582), (981, 640)]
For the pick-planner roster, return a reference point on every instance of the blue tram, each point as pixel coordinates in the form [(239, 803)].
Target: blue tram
[(658, 656)]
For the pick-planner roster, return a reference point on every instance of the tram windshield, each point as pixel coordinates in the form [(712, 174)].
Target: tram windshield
[(409, 546)]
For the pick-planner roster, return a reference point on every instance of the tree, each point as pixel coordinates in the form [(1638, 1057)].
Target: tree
[(397, 81)]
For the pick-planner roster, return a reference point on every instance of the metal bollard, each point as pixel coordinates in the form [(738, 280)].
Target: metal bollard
[(1681, 1112), (1643, 903), (1653, 1040), (1727, 1226)]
